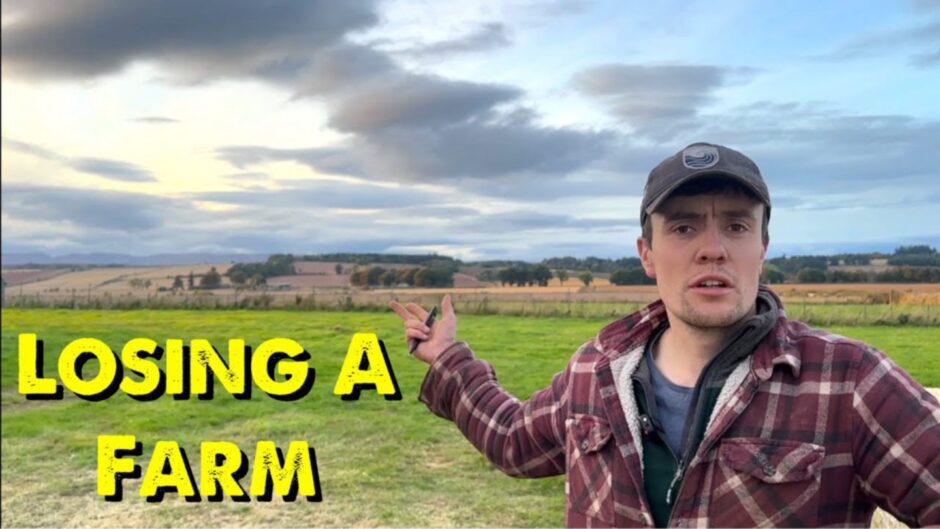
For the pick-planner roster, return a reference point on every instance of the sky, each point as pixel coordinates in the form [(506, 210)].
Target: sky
[(517, 129)]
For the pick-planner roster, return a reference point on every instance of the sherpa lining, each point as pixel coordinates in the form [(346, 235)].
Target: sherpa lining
[(732, 383), (623, 368)]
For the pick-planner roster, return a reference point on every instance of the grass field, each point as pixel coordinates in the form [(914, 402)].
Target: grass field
[(381, 463)]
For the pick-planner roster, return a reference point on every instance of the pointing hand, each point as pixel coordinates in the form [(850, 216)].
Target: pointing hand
[(434, 340)]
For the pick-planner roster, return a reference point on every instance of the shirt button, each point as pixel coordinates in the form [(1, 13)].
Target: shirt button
[(584, 446), (769, 470)]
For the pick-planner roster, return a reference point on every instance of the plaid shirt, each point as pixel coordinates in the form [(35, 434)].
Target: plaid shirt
[(812, 429)]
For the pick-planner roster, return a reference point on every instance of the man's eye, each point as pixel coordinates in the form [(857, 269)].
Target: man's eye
[(683, 229), (737, 227)]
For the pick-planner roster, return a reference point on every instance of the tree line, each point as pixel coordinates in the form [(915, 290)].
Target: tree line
[(438, 275)]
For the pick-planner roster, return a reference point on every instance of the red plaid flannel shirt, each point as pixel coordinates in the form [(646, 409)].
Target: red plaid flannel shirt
[(813, 429)]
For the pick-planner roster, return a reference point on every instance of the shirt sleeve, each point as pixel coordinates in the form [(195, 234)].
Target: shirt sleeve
[(523, 439), (896, 443)]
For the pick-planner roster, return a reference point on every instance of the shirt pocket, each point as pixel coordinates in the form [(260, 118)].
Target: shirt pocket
[(589, 458), (766, 482)]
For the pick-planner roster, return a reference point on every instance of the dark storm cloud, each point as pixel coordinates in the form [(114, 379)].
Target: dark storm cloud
[(110, 169), (194, 40), (650, 94), (85, 208), (488, 36)]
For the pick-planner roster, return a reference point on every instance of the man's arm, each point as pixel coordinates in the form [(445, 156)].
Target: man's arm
[(522, 439), (896, 444)]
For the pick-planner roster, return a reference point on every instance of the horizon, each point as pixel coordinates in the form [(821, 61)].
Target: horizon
[(261, 256), (514, 130)]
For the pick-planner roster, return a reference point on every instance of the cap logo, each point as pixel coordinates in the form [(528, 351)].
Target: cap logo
[(700, 157)]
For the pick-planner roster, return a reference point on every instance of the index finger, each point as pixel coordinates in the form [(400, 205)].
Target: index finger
[(401, 311), (418, 311)]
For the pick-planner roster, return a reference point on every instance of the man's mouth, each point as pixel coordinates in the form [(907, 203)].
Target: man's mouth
[(711, 282)]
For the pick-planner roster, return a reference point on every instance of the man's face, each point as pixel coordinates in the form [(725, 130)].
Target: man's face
[(706, 256)]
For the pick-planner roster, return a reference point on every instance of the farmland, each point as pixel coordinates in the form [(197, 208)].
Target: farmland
[(319, 286), (381, 463)]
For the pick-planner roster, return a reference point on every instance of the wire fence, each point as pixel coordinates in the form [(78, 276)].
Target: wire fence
[(572, 304)]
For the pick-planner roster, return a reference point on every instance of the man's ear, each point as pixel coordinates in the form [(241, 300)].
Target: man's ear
[(644, 249)]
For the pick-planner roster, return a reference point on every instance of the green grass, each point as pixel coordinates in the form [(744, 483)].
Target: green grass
[(386, 463)]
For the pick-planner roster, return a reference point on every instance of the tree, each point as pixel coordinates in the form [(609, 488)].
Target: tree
[(374, 275), (586, 277), (211, 279), (772, 276), (178, 283), (811, 275), (541, 274), (630, 276), (338, 268), (434, 276), (237, 276), (406, 275), (562, 275), (191, 281), (917, 249)]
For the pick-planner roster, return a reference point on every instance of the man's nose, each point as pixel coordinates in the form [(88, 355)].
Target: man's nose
[(713, 246)]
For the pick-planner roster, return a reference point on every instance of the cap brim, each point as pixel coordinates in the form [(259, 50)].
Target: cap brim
[(693, 176)]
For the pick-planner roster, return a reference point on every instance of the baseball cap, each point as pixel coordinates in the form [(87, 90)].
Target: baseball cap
[(699, 160)]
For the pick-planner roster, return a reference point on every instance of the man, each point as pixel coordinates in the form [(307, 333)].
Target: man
[(709, 406)]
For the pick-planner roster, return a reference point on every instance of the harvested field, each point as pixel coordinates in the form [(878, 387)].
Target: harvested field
[(113, 279), (467, 281), (306, 282), (319, 267), (21, 276)]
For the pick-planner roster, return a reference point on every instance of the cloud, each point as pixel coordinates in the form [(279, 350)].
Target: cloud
[(335, 69), (323, 159), (403, 125), (86, 208), (481, 151), (195, 42), (110, 169), (922, 38), (647, 96), (447, 153), (489, 36), (416, 101), (522, 221), (309, 194), (832, 152), (155, 120)]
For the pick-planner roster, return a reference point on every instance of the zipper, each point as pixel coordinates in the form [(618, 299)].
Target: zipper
[(680, 469), (705, 447)]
